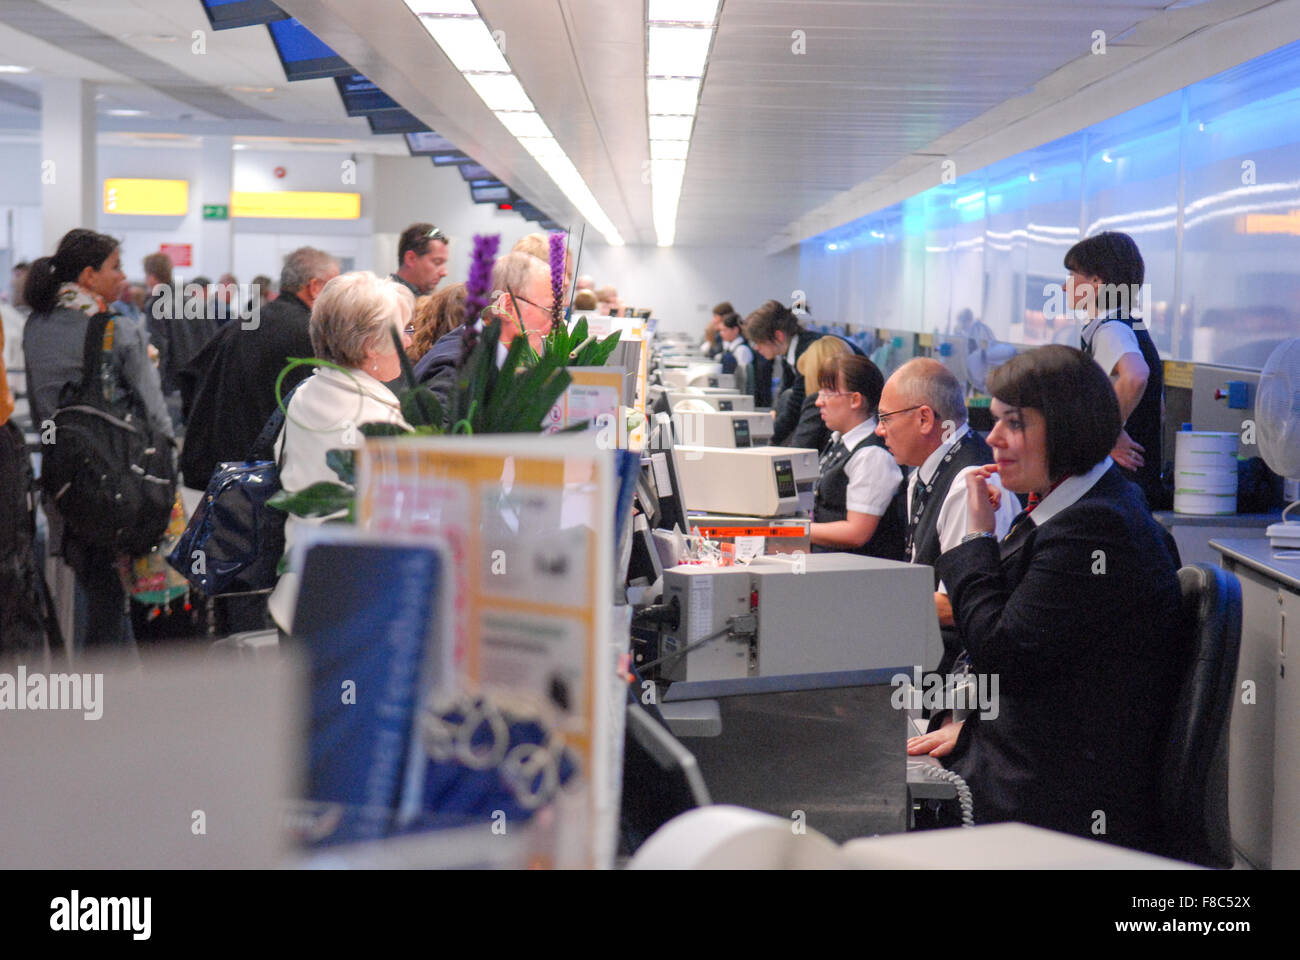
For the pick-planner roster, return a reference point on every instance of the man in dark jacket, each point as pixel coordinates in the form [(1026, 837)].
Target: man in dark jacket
[(421, 258), (230, 387)]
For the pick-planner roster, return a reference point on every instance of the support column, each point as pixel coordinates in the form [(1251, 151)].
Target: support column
[(215, 254), (69, 187)]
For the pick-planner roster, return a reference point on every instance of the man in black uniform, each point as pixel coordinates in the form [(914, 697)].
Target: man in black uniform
[(922, 418), (1106, 274)]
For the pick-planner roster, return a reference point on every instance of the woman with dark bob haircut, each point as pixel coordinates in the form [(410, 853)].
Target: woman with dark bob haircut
[(1075, 613)]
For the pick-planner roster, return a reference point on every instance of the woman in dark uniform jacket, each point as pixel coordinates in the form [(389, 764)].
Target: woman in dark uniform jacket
[(1076, 612)]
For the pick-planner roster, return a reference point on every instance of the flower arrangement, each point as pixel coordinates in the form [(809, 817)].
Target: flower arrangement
[(558, 253)]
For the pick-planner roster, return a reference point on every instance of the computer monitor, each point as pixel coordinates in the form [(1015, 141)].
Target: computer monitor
[(660, 475), (426, 143), (490, 191), (228, 14), (451, 159), (661, 778), (362, 97), (303, 55), (475, 171), (395, 121)]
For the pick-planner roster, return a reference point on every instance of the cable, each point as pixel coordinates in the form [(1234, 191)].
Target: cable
[(964, 798), (686, 649)]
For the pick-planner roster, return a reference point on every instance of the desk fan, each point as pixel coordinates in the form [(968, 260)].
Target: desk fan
[(1277, 416)]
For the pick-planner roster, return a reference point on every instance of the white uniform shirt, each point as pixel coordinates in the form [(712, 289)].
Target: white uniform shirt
[(1109, 342), (952, 524), (744, 356), (873, 474)]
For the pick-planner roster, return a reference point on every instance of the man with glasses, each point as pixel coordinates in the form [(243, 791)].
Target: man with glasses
[(922, 419), (521, 299), (421, 258)]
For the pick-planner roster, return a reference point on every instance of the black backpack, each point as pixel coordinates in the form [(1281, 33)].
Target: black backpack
[(28, 625), (107, 470)]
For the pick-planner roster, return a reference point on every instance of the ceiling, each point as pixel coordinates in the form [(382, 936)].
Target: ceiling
[(805, 102)]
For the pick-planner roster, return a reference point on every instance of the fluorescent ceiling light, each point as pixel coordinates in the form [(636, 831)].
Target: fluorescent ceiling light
[(126, 113), (671, 128), (566, 176), (672, 96), (460, 8), (540, 147), (14, 68), (683, 11), (669, 149), (467, 44), (523, 124), (500, 92), (678, 51)]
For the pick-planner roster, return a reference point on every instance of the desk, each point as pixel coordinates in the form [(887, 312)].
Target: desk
[(1264, 736), (1193, 532)]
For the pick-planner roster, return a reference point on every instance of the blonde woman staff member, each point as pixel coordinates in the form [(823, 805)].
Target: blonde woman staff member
[(352, 325), (858, 506)]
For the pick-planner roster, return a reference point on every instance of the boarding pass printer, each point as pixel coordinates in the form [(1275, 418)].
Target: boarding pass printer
[(791, 619), (753, 481), (706, 427)]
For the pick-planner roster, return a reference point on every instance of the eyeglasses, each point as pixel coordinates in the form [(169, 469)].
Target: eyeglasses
[(410, 329), (883, 418), (436, 234), (535, 304)]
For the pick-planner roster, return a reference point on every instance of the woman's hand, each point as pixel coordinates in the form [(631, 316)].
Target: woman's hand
[(982, 499), (1127, 452), (937, 743)]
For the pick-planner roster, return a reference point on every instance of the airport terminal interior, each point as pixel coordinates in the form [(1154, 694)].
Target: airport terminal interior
[(650, 434)]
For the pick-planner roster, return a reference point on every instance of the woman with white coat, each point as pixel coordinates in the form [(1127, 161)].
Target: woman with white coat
[(352, 325)]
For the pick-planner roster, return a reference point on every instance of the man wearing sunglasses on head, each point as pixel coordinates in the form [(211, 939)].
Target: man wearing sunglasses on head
[(421, 258)]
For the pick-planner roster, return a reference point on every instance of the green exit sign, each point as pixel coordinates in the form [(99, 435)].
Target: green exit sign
[(216, 211)]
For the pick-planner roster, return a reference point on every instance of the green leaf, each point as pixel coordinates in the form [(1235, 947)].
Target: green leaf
[(343, 463), (319, 500), (421, 408)]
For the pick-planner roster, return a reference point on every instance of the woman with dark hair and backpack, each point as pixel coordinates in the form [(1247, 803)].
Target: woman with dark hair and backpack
[(65, 291)]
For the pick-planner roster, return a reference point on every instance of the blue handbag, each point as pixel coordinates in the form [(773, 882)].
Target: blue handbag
[(234, 541)]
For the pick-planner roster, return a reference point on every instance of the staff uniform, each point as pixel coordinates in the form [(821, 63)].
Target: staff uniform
[(1108, 338), (937, 515), (736, 353), (1077, 612), (859, 474)]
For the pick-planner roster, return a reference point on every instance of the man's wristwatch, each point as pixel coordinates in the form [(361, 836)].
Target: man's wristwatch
[(978, 534)]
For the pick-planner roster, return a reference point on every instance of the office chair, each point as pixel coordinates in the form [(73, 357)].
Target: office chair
[(1194, 772)]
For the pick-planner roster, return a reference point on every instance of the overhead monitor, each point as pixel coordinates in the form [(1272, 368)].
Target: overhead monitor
[(425, 143), (362, 96), (476, 171), (451, 159), (303, 55), (227, 14), (395, 121), (490, 191)]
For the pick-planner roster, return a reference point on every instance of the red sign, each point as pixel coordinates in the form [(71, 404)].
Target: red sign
[(182, 254)]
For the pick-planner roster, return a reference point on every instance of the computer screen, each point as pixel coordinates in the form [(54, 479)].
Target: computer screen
[(451, 159), (395, 121), (302, 54), (425, 143), (475, 171), (362, 97), (228, 14), (487, 191)]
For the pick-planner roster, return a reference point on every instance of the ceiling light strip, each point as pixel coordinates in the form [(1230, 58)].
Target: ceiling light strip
[(679, 41), (464, 38)]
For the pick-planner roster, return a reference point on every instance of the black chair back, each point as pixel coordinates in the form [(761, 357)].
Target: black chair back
[(1194, 778)]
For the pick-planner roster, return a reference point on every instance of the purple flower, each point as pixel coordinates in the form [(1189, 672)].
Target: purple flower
[(557, 279), (479, 285)]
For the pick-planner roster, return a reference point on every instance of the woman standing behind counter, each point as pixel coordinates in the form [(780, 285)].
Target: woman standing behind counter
[(1076, 612), (858, 506)]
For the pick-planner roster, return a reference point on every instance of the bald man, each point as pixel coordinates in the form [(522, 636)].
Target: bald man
[(922, 418)]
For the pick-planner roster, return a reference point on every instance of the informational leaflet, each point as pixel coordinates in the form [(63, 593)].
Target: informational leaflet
[(592, 398), (530, 522)]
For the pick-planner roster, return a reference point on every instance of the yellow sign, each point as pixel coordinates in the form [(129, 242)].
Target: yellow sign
[(1178, 374), (296, 205), (156, 198)]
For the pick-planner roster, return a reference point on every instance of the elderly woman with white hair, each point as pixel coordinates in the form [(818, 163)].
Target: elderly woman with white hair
[(352, 326)]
